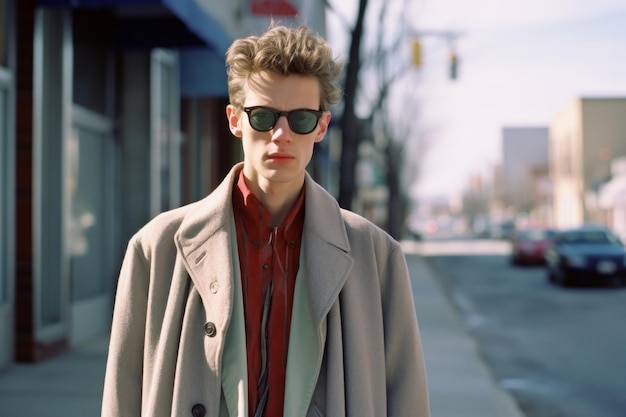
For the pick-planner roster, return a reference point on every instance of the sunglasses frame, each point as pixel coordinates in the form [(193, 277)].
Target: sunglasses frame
[(277, 114)]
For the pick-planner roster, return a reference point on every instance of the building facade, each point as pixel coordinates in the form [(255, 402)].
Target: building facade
[(111, 111), (524, 159), (612, 197), (585, 137)]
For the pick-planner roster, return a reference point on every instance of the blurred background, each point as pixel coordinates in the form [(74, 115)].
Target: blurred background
[(460, 121)]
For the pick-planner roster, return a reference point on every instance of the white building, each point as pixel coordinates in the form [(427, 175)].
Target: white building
[(612, 197)]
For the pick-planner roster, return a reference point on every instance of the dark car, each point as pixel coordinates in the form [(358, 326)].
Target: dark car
[(588, 254), (528, 245)]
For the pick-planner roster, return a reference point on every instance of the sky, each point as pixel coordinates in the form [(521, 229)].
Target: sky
[(520, 63)]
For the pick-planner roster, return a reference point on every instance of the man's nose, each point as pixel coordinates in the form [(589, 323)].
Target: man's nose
[(282, 129)]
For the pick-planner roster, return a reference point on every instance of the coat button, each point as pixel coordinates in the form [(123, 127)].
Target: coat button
[(214, 287), (210, 329), (198, 410)]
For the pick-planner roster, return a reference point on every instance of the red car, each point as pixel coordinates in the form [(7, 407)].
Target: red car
[(528, 245)]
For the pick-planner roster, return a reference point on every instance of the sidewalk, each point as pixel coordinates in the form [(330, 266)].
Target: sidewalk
[(69, 385), (459, 382)]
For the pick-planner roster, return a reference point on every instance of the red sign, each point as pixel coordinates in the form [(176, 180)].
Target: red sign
[(274, 8)]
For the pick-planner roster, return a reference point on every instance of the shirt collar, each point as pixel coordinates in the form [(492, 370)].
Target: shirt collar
[(257, 218)]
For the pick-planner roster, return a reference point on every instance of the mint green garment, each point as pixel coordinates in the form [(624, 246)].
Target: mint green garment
[(304, 357)]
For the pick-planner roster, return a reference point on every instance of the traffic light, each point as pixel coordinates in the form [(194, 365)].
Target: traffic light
[(454, 65), (416, 53)]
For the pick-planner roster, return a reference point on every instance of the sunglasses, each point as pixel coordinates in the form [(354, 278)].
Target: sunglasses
[(301, 121)]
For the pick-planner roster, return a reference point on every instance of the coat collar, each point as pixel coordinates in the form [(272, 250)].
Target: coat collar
[(205, 235), (204, 238), (327, 249)]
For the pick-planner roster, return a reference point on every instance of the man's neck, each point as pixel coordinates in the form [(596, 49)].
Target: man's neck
[(279, 205), (278, 199)]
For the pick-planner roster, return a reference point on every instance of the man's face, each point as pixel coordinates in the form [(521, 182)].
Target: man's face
[(279, 156)]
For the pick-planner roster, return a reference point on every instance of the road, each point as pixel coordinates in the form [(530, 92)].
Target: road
[(559, 352)]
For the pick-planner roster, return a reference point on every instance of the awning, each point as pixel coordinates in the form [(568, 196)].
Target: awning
[(202, 73), (158, 23)]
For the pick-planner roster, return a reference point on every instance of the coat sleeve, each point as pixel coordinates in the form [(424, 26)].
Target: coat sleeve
[(407, 390), (122, 394)]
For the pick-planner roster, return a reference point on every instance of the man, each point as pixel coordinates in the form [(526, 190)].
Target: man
[(265, 298)]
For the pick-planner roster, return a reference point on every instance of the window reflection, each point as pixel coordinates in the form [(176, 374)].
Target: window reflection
[(86, 234)]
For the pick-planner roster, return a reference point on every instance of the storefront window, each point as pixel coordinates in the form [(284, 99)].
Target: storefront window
[(4, 197), (165, 159), (4, 34), (7, 182), (50, 84), (87, 224), (90, 203)]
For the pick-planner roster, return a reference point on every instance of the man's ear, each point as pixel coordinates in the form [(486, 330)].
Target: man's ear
[(234, 122), (322, 126)]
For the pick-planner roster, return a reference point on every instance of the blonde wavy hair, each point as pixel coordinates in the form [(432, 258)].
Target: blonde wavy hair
[(284, 51)]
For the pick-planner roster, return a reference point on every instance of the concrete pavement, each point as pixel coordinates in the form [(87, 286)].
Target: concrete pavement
[(459, 382), (69, 385)]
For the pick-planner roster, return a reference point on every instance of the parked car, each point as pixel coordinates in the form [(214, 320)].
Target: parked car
[(589, 254), (528, 245)]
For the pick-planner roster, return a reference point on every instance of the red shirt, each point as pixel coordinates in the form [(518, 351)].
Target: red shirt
[(267, 255)]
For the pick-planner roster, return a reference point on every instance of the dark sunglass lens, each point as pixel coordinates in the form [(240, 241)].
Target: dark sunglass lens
[(262, 119), (302, 121)]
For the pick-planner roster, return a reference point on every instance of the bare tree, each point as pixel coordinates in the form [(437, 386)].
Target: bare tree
[(349, 124), (405, 148), (394, 110), (373, 72)]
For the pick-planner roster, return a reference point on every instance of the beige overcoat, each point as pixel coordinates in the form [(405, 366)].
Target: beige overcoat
[(174, 306)]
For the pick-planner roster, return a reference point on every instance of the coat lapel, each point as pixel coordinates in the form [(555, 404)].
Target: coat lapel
[(326, 245), (203, 241)]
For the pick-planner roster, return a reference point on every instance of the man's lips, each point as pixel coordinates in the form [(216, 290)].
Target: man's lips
[(278, 156)]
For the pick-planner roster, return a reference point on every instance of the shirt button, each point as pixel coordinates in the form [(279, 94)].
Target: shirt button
[(198, 410), (210, 329), (256, 243), (213, 287), (292, 243), (266, 267)]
